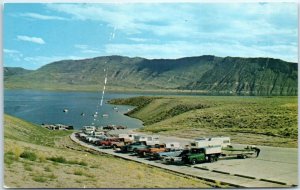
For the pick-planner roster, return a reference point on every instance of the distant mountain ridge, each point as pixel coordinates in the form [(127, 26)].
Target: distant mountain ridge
[(207, 73)]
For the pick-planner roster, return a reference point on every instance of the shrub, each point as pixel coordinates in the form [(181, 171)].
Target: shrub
[(17, 151), (78, 172), (42, 157), (52, 176), (58, 159), (39, 179), (47, 169), (27, 167), (82, 163), (29, 155)]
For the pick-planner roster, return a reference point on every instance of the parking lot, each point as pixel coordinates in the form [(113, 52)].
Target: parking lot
[(275, 167)]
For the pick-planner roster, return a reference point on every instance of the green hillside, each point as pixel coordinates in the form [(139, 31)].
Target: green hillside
[(21, 130), (206, 74), (11, 71), (268, 121)]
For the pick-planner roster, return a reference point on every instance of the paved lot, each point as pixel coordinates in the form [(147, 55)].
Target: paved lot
[(278, 164), (274, 163), (264, 171)]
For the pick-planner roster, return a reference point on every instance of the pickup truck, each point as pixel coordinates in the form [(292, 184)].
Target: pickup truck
[(151, 150), (108, 142), (169, 153), (133, 147), (196, 155), (119, 144), (94, 138), (176, 158), (158, 148)]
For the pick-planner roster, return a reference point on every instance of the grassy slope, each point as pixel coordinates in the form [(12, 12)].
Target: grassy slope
[(206, 74), (98, 170), (255, 120)]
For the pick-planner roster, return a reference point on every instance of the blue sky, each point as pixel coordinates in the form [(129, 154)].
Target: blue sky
[(37, 34)]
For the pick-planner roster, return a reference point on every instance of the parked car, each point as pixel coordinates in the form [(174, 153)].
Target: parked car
[(159, 148), (133, 147), (122, 142), (121, 127), (110, 127), (169, 153), (175, 159), (108, 141)]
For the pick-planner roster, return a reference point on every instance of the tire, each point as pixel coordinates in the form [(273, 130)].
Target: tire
[(193, 161), (135, 150), (242, 156), (114, 147), (216, 158)]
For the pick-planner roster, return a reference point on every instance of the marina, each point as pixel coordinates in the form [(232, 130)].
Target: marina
[(48, 107)]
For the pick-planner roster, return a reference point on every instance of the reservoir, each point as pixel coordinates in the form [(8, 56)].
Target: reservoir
[(70, 108)]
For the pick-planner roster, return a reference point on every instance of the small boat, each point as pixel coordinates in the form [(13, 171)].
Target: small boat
[(105, 115), (115, 108), (65, 110), (82, 114)]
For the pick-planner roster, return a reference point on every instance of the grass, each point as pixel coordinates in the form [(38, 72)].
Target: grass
[(9, 158), (29, 155), (62, 160), (47, 169), (66, 168), (266, 120), (78, 172), (58, 159), (28, 167), (21, 130), (40, 179)]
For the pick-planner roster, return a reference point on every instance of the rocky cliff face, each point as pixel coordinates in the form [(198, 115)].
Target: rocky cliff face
[(229, 75)]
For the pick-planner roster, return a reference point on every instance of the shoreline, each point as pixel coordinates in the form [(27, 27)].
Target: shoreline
[(151, 92)]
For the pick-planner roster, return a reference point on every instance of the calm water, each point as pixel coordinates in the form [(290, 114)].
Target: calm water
[(47, 107)]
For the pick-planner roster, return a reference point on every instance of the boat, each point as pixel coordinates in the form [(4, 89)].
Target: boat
[(105, 115), (65, 110)]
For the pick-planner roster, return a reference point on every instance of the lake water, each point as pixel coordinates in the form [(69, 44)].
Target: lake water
[(47, 107)]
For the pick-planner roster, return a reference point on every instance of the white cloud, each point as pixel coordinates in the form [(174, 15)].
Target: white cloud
[(42, 17), (13, 54), (90, 51), (10, 51), (183, 20), (131, 18), (31, 39), (138, 39), (86, 49), (81, 46)]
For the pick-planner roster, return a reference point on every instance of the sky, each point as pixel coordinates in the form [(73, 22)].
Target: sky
[(36, 34)]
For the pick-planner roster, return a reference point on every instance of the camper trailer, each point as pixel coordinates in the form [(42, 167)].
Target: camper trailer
[(149, 140), (212, 141)]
